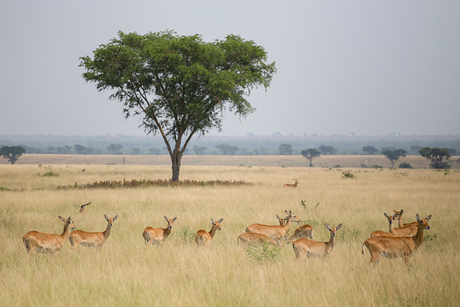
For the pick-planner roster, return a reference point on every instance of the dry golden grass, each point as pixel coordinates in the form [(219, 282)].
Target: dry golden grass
[(126, 273)]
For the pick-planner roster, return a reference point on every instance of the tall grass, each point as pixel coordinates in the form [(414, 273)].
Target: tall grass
[(126, 273)]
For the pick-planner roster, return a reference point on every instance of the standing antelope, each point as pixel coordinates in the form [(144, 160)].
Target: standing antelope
[(204, 238), (83, 208), (255, 238), (290, 185), (304, 231), (392, 233), (91, 239), (48, 242), (273, 231), (395, 247), (409, 229), (158, 235), (400, 222), (306, 247)]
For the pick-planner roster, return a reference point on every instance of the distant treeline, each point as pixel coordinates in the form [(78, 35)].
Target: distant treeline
[(224, 145)]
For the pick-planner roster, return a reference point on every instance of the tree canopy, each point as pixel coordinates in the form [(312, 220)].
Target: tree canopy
[(394, 155), (310, 154), (436, 155), (12, 153), (179, 85)]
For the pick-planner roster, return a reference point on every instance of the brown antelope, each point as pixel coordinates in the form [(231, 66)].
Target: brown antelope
[(306, 247), (203, 238), (392, 233), (273, 231), (48, 242), (290, 185), (158, 235), (253, 227), (83, 208), (400, 222), (395, 247), (304, 231), (255, 238), (91, 239)]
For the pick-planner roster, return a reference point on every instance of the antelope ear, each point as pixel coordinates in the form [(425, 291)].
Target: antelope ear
[(106, 217), (386, 215), (174, 219), (402, 211), (62, 219), (395, 211), (166, 219), (428, 217), (338, 226), (286, 211), (220, 221), (327, 226), (278, 217), (212, 220), (115, 217), (417, 217)]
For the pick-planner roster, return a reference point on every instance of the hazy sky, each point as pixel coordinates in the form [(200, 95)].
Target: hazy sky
[(369, 67)]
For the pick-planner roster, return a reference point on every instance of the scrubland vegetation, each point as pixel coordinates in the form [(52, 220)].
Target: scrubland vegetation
[(125, 273)]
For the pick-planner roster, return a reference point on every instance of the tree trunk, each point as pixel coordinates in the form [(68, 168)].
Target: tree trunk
[(311, 164), (175, 161)]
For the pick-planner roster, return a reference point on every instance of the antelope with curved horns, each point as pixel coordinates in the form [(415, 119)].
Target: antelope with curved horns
[(306, 247), (91, 239), (290, 185), (273, 231), (158, 235), (396, 247), (204, 238), (83, 208), (48, 242)]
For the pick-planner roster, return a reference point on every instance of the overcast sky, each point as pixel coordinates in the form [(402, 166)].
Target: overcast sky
[(368, 67)]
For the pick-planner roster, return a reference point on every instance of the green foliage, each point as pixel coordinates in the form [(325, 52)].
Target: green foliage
[(436, 155), (405, 165), (347, 174), (263, 254), (310, 154), (49, 174), (327, 150), (187, 235), (179, 85), (227, 149), (371, 150), (12, 153), (377, 166), (394, 155)]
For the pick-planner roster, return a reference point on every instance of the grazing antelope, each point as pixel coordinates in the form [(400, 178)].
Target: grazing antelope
[(203, 238), (48, 242), (83, 208), (273, 231), (91, 239), (158, 235), (306, 247), (255, 238), (395, 247), (392, 233), (290, 185), (304, 231)]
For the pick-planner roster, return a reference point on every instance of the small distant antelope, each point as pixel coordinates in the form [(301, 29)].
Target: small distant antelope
[(256, 238), (203, 238), (273, 231), (158, 235), (290, 185), (306, 247), (83, 208), (91, 239), (48, 242), (394, 247), (304, 231)]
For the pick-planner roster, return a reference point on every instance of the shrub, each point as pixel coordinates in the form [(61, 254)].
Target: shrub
[(405, 165), (347, 174), (264, 254), (187, 235)]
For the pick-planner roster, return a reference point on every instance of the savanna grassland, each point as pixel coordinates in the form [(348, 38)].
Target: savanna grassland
[(125, 273)]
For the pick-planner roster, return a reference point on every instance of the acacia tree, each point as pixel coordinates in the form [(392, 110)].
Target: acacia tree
[(179, 85), (310, 154), (394, 155), (12, 153), (436, 155)]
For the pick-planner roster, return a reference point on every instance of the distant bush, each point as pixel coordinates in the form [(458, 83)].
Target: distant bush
[(347, 174), (264, 254), (377, 166), (405, 165), (49, 174), (187, 235)]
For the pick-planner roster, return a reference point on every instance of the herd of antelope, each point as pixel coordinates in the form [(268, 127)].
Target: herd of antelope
[(399, 242)]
